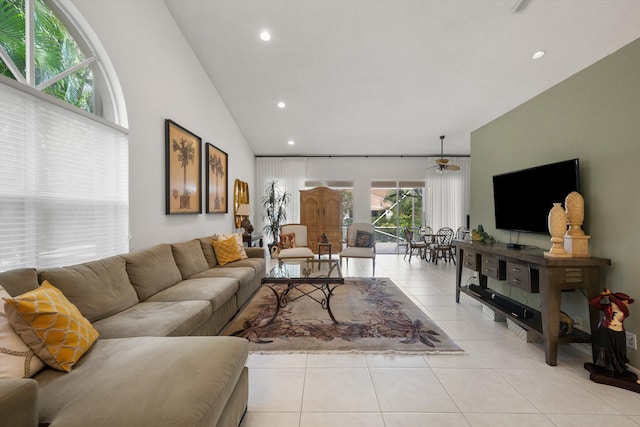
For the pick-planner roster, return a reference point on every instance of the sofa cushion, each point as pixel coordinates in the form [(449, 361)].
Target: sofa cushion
[(17, 360), (257, 264), (158, 319), (298, 252), (98, 288), (19, 402), (189, 258), (226, 250), (206, 244), (145, 381), (18, 281), (216, 290), (244, 275), (51, 326), (152, 270)]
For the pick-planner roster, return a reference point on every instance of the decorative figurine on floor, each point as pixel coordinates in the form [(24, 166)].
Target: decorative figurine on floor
[(610, 344)]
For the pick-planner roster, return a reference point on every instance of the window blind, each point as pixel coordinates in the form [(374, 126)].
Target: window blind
[(63, 185)]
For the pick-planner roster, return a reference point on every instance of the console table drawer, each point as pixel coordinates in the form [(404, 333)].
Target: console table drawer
[(470, 260), (520, 276), (493, 267)]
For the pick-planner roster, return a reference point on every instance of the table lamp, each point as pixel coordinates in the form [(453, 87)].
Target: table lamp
[(243, 211)]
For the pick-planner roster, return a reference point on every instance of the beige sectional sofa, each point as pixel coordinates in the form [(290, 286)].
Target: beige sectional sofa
[(157, 361)]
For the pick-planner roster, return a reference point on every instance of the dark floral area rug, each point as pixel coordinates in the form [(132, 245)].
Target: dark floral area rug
[(373, 315)]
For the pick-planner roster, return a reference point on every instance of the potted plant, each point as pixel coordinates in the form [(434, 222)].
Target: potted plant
[(274, 214)]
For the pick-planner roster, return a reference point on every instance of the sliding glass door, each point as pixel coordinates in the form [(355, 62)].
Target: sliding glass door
[(394, 206)]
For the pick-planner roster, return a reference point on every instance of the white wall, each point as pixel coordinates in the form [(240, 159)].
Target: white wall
[(161, 78)]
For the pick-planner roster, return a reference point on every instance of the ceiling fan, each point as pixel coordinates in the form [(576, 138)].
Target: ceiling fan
[(443, 164)]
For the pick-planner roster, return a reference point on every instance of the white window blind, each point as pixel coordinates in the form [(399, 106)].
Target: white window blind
[(63, 185)]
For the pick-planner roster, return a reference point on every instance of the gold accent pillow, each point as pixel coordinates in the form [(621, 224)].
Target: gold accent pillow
[(16, 359), (239, 243), (51, 326), (226, 250)]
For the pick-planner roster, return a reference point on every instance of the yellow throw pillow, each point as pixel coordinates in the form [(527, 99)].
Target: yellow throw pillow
[(239, 242), (226, 250), (51, 326)]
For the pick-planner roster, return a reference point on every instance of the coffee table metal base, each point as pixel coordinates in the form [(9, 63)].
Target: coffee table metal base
[(283, 297)]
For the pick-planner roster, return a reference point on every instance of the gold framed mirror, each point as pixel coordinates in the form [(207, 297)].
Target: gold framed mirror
[(240, 197)]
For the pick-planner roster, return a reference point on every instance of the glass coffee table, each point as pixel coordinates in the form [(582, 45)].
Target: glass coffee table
[(323, 276)]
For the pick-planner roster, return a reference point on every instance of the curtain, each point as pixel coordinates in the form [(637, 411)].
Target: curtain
[(290, 175), (63, 184), (448, 197)]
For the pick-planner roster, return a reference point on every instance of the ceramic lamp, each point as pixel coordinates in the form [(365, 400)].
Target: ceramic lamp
[(244, 210)]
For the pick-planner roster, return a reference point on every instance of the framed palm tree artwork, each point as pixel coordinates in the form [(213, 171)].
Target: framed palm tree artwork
[(183, 172), (216, 162)]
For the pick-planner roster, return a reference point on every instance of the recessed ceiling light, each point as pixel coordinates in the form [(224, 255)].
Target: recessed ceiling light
[(537, 55), (291, 142), (281, 104), (265, 36)]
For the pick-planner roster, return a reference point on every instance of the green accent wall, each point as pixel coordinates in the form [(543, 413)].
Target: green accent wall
[(593, 115)]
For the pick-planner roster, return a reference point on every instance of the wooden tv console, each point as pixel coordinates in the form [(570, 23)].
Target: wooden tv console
[(530, 270)]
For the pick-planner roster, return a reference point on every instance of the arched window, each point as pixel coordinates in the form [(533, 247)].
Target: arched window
[(63, 151)]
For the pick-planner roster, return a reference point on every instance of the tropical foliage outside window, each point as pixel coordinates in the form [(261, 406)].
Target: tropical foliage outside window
[(399, 208), (48, 58)]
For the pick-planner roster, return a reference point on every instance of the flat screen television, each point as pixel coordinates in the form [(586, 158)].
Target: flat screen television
[(522, 199)]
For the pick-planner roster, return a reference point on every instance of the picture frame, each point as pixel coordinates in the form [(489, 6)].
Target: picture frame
[(216, 165), (183, 172)]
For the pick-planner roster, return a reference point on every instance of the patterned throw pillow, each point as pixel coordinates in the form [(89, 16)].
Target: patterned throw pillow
[(51, 326), (364, 239), (287, 241), (226, 250), (239, 243), (17, 360)]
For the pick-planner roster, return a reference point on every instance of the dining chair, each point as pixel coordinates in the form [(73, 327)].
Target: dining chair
[(443, 245), (427, 236), (419, 247), (461, 234)]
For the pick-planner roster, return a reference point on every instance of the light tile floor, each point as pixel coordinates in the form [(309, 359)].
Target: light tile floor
[(499, 381)]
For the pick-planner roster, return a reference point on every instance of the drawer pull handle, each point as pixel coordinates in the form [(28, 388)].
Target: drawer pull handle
[(516, 280), (515, 270)]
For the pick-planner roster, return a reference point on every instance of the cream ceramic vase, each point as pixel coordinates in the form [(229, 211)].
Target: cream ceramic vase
[(575, 213), (557, 222), (575, 241)]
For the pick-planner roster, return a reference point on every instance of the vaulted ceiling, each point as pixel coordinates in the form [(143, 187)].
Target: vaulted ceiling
[(388, 77)]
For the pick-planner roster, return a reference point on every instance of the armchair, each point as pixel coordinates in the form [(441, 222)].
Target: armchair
[(293, 243), (361, 243)]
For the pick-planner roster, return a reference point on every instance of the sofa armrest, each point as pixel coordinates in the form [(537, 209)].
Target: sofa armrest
[(255, 252), (19, 402)]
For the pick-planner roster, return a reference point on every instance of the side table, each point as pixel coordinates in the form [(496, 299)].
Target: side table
[(251, 239), (324, 248)]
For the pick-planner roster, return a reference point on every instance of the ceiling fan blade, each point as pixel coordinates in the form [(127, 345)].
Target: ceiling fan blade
[(442, 161), (452, 167)]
